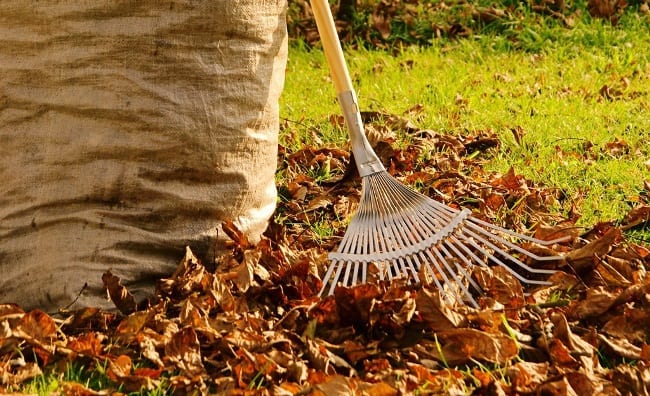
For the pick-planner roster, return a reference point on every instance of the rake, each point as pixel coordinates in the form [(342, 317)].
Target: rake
[(402, 233)]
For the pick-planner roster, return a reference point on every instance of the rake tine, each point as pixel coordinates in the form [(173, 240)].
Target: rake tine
[(436, 263), (521, 236), (346, 274), (459, 283), (460, 268), (328, 279), (509, 256), (497, 261), (418, 265), (430, 270)]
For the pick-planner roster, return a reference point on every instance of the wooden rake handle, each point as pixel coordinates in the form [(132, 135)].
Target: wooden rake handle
[(367, 161), (331, 45)]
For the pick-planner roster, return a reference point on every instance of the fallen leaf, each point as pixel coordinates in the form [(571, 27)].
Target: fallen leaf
[(462, 346), (526, 377), (118, 294), (586, 258), (184, 351), (435, 313)]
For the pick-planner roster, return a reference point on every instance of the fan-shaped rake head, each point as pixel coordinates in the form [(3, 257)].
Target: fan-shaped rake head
[(398, 232)]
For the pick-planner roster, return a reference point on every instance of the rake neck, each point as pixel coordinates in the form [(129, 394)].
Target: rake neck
[(367, 161)]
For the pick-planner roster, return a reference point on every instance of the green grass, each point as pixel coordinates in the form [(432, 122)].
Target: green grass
[(572, 94), (92, 377)]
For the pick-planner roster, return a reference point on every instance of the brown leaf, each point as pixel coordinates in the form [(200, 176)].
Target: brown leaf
[(246, 271), (526, 376), (621, 347), (119, 295), (381, 24), (336, 385), (380, 389), (10, 312), (184, 351), (609, 274), (354, 303), (632, 380), (585, 258), (435, 313), (499, 284), (596, 302), (319, 202), (130, 326), (40, 330), (119, 367), (77, 389), (589, 384), (607, 9), (511, 181), (559, 387), (90, 319), (20, 374), (562, 331), (633, 325), (637, 216), (234, 233), (323, 359), (220, 291), (518, 133), (87, 344), (462, 346), (561, 355), (189, 276)]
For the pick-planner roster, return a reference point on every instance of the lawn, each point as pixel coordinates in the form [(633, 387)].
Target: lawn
[(570, 114)]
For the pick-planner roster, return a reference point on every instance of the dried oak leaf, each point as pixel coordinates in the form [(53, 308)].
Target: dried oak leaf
[(354, 303), (527, 376), (637, 217), (335, 385), (236, 235), (560, 387), (19, 374), (436, 313), (439, 382), (323, 359), (36, 326), (77, 389), (39, 330), (189, 276), (576, 346), (501, 285), (462, 346), (606, 9), (586, 258), (621, 347), (121, 370), (597, 301), (632, 380), (87, 344), (184, 351), (119, 295), (633, 325)]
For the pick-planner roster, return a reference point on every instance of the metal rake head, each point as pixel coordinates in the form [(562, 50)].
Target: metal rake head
[(398, 232)]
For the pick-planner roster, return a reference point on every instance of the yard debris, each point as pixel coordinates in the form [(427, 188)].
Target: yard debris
[(255, 324)]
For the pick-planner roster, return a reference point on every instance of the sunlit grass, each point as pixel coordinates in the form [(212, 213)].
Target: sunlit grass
[(585, 89)]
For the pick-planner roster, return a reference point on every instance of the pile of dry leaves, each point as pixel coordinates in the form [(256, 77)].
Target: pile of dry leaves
[(257, 326)]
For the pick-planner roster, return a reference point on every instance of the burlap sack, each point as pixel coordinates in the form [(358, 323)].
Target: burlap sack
[(128, 130)]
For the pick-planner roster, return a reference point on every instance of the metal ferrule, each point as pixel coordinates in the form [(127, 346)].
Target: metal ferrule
[(365, 157)]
